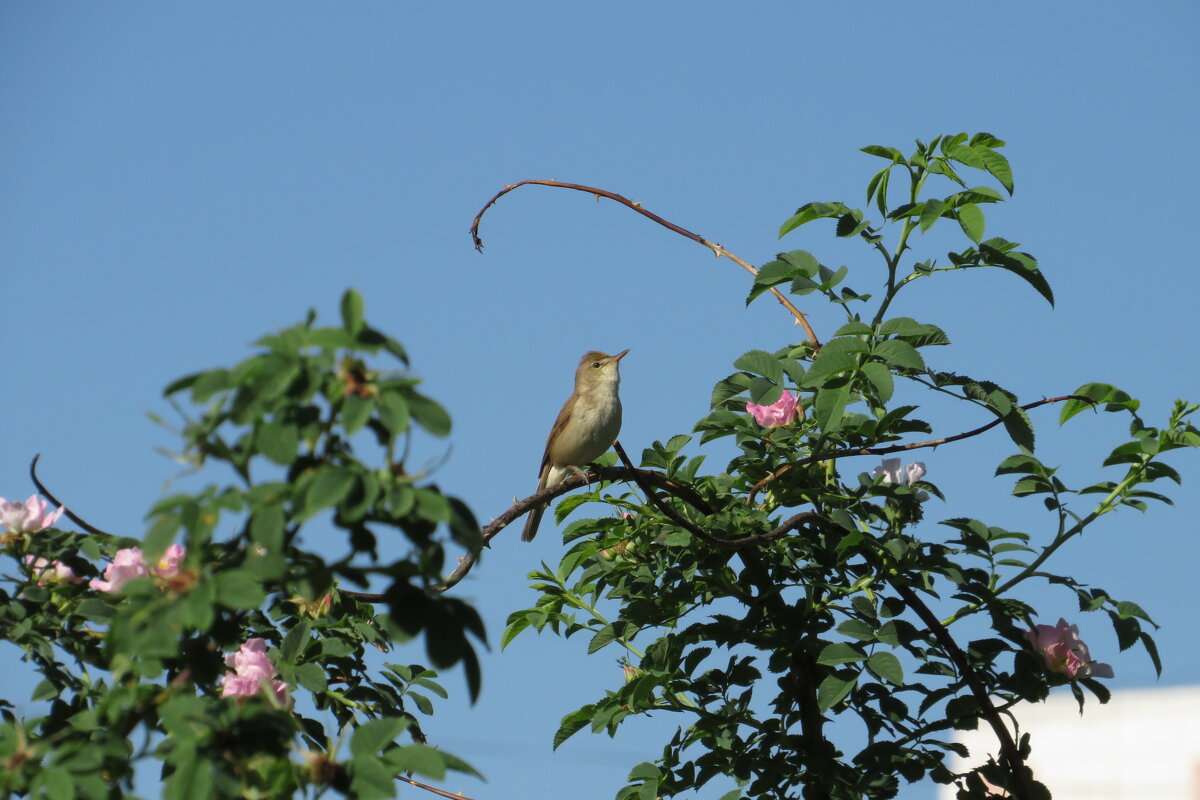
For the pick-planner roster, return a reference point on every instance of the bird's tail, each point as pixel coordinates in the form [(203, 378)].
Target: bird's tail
[(531, 523)]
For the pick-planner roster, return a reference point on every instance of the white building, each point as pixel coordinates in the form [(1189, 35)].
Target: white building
[(1141, 745)]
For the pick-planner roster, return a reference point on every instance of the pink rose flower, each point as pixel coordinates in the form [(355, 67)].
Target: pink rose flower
[(126, 565), (781, 412), (1065, 653), (252, 672), (168, 565), (51, 571), (27, 517)]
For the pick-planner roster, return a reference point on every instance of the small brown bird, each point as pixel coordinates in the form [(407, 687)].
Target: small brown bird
[(586, 427)]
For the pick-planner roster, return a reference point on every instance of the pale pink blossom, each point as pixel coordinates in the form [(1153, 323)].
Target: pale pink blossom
[(27, 517), (891, 472), (252, 673), (630, 672), (781, 412), (44, 572), (126, 565), (1065, 653), (168, 564)]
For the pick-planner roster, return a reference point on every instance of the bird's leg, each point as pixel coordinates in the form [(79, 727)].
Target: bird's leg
[(577, 472)]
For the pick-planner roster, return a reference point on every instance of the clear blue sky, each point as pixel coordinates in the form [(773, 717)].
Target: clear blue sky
[(178, 178)]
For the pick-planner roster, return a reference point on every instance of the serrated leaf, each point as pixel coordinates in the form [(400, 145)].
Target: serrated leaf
[(971, 220), (834, 689), (1020, 428), (837, 355), (830, 405), (1022, 265), (762, 363), (885, 665), (890, 153), (899, 353), (572, 723), (603, 636), (809, 212), (840, 653), (881, 379), (997, 165)]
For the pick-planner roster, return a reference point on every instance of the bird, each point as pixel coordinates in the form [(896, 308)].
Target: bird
[(586, 426)]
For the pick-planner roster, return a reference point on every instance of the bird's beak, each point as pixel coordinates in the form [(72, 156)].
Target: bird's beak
[(620, 355)]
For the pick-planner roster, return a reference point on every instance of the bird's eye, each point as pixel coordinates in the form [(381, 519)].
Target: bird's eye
[(595, 363)]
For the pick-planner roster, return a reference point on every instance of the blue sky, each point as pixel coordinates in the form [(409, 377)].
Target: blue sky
[(179, 179)]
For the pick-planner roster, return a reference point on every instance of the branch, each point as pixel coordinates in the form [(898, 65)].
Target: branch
[(55, 501), (717, 249), (643, 477), (428, 788), (1008, 747), (900, 448)]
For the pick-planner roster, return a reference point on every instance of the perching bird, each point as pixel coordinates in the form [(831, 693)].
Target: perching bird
[(586, 427)]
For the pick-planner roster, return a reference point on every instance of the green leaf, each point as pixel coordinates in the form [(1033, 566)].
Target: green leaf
[(418, 758), (762, 363), (881, 379), (785, 267), (352, 311), (930, 213), (369, 780), (278, 442), (393, 412), (295, 642), (900, 354), (312, 677), (830, 405), (809, 212), (997, 165), (840, 653), (572, 723), (328, 488), (970, 218), (517, 622), (834, 689), (885, 665), (1019, 427), (1022, 265), (1100, 394), (429, 414), (239, 590), (266, 527), (890, 153), (837, 355), (356, 410), (603, 636)]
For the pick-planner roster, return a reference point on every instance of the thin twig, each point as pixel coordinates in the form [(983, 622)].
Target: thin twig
[(55, 501), (435, 790), (519, 508), (717, 249), (899, 448)]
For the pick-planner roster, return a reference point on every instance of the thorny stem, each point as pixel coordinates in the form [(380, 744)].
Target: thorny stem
[(717, 249)]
